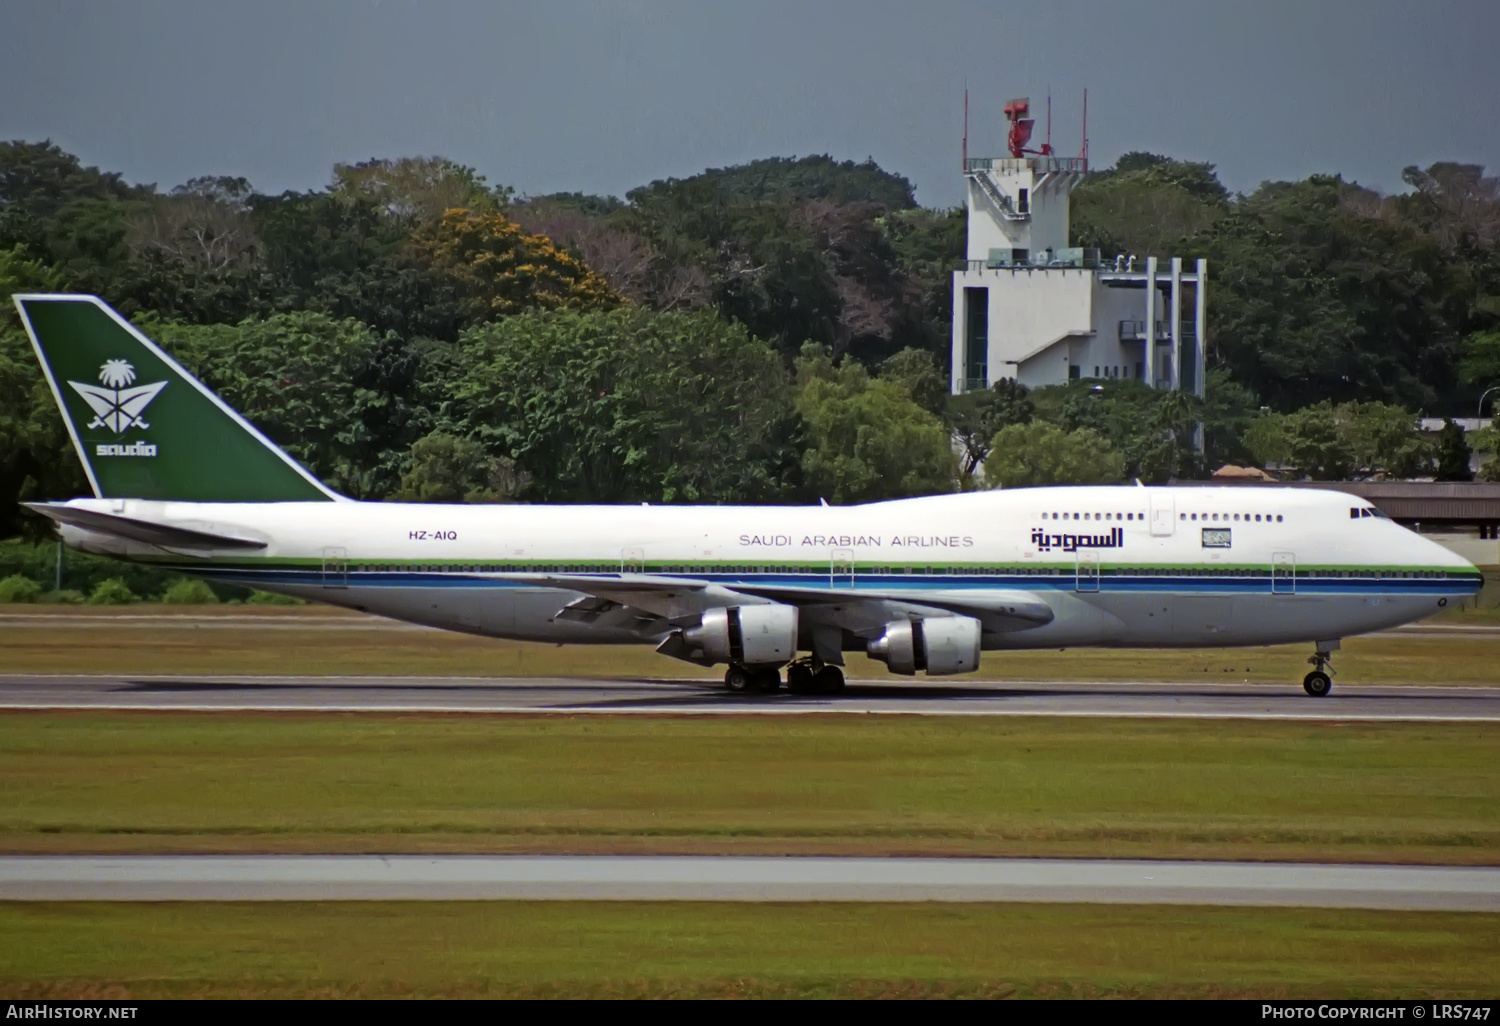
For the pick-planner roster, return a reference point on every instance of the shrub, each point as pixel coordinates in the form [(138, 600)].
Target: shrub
[(271, 598), (19, 588), (189, 591), (62, 597), (112, 592)]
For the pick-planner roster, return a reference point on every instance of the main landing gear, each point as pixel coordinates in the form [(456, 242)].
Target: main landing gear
[(808, 678), (1320, 681), (802, 678), (741, 679)]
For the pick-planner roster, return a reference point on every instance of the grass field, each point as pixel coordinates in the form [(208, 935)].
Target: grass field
[(109, 644), (167, 782), (566, 949)]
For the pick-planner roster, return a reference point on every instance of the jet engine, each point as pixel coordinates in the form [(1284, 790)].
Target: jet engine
[(939, 645), (749, 635)]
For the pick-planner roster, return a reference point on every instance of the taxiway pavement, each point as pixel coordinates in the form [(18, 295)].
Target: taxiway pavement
[(735, 878), (577, 696)]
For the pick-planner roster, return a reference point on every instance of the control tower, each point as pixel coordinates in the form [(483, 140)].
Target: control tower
[(1027, 306)]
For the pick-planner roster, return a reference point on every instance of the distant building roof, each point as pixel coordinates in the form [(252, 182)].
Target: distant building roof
[(1230, 472)]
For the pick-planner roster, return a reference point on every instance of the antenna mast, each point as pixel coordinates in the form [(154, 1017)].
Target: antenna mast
[(966, 128), (1083, 153)]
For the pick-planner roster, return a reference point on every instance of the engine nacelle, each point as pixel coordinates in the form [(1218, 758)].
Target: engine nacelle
[(748, 635), (940, 646)]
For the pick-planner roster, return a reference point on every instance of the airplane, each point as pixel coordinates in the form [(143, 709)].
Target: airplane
[(184, 483)]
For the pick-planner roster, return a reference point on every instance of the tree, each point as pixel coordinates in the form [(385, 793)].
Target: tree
[(1152, 429), (974, 417), (332, 393), (39, 180), (1480, 365), (204, 224), (1146, 205), (624, 258), (1486, 442), (626, 405), (36, 456), (806, 178), (1038, 453), (1314, 298), (1384, 439), (497, 269), (1453, 453), (867, 439), (412, 190), (443, 468), (1329, 443), (37, 461), (915, 370)]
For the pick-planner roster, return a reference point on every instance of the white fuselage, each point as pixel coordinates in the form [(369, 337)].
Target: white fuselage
[(1118, 566)]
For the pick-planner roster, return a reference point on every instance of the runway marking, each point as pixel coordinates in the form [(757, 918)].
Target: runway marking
[(544, 696), (742, 878)]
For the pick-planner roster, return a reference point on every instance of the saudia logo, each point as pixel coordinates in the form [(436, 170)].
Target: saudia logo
[(118, 407), (1073, 542)]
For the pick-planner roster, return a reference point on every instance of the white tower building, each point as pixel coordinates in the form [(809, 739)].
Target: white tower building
[(1029, 307)]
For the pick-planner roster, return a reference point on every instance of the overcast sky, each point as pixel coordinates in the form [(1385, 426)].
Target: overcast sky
[(601, 97)]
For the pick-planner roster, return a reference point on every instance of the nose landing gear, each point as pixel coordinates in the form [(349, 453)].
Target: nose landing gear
[(1320, 681)]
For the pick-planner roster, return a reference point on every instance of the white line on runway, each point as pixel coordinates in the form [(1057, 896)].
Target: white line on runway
[(741, 878)]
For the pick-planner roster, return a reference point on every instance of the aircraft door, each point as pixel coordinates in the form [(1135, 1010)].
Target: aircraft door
[(1163, 515), (1283, 573), (1088, 572), (841, 568), (335, 567)]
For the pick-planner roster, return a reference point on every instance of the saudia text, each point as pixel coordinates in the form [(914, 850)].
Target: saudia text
[(133, 449), (1073, 542)]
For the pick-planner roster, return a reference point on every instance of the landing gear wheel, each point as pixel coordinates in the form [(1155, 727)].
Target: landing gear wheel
[(768, 681), (737, 679), (829, 680), (1320, 681), (1317, 684), (799, 679)]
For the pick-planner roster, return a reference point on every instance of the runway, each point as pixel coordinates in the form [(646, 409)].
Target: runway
[(697, 697), (647, 878)]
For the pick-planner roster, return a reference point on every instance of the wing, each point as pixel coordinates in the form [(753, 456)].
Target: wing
[(101, 400), (683, 600)]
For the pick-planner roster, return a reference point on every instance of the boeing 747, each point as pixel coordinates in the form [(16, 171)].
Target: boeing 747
[(184, 483)]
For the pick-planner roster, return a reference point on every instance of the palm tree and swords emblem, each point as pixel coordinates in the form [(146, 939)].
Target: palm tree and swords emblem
[(115, 405)]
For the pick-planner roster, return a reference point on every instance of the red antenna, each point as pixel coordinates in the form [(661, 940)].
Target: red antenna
[(1020, 126)]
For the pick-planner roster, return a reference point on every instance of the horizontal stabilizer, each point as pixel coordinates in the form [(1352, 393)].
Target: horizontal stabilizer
[(172, 536)]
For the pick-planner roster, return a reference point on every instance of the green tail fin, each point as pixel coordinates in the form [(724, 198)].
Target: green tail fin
[(144, 427)]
